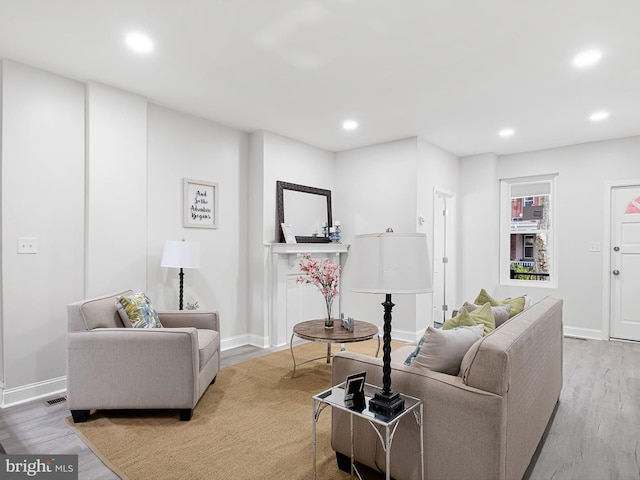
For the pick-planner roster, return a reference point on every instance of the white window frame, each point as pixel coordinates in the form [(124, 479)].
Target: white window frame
[(505, 231)]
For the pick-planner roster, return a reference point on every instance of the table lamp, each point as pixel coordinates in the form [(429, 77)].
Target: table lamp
[(390, 263), (181, 254)]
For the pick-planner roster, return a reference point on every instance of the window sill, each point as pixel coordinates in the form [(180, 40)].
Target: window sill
[(528, 284)]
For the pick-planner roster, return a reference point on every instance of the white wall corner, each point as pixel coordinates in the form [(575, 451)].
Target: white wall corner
[(242, 340), (404, 336), (233, 342), (259, 341)]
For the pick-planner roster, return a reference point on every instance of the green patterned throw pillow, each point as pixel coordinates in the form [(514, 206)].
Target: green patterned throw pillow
[(500, 313), (480, 316), (140, 311), (517, 304)]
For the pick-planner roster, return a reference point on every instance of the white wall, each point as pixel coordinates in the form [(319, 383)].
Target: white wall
[(129, 190), (181, 146), (116, 191), (583, 171), (42, 197), (390, 185), (137, 155), (437, 170), (478, 208), (2, 373), (258, 289), (376, 188), (294, 162), (273, 158)]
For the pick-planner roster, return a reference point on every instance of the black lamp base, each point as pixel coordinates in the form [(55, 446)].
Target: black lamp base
[(386, 404)]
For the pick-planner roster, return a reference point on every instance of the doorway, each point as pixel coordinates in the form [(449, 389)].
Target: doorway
[(625, 262), (443, 252)]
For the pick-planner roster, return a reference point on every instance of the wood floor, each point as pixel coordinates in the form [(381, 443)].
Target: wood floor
[(595, 434)]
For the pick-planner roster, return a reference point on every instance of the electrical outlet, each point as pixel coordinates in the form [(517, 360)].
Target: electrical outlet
[(27, 245), (594, 246)]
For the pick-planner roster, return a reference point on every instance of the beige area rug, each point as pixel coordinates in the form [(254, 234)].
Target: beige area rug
[(255, 422)]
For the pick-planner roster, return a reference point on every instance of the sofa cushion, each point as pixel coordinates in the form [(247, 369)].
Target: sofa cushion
[(517, 304), (139, 311), (443, 350), (482, 315), (501, 313), (208, 344)]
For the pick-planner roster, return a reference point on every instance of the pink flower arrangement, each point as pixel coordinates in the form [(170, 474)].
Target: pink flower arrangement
[(323, 274)]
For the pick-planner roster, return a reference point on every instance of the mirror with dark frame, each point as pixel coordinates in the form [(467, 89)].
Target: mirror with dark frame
[(306, 209)]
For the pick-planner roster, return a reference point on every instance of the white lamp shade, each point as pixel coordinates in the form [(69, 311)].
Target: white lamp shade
[(181, 254), (391, 263)]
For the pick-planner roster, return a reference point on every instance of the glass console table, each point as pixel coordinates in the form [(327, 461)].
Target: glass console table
[(383, 426)]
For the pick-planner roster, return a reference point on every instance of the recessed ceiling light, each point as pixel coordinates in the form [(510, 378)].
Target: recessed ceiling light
[(506, 132), (587, 58), (139, 42), (349, 124), (597, 116)]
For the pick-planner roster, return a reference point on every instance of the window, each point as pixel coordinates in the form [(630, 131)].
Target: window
[(527, 242), (528, 246)]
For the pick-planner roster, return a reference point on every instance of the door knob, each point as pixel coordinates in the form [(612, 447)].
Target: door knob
[(616, 249), (616, 272)]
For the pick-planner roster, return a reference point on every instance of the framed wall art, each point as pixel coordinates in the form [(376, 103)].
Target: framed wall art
[(200, 204)]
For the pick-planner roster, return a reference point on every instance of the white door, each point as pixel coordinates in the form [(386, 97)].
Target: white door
[(625, 262), (443, 278)]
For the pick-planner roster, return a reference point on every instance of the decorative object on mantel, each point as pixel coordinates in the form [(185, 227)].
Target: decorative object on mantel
[(390, 263), (324, 275), (306, 208), (288, 233), (200, 204), (181, 254), (338, 232)]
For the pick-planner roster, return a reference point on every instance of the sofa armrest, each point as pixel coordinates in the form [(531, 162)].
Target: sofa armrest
[(190, 318), (130, 367)]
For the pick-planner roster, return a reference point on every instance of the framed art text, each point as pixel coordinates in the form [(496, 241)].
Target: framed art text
[(200, 204)]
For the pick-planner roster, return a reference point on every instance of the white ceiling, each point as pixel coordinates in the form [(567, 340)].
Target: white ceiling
[(453, 72)]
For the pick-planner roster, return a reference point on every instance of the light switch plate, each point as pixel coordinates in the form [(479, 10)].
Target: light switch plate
[(27, 245)]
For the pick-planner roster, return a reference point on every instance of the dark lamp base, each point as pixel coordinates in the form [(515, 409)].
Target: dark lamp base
[(387, 405)]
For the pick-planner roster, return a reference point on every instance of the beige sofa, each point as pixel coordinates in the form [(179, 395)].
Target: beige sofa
[(113, 367), (485, 423)]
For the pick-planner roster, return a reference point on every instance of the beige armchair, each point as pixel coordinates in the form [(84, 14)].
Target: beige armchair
[(113, 367)]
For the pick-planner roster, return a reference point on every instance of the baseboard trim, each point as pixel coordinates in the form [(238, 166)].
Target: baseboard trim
[(404, 336), (258, 341), (234, 342), (242, 340), (590, 333), (27, 393)]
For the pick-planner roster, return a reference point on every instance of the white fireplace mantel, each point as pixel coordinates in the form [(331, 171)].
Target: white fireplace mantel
[(294, 250), (290, 302)]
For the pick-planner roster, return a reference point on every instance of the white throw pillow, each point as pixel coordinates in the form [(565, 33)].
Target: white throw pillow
[(442, 350)]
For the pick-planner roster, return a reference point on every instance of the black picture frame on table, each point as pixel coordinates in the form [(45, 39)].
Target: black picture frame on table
[(354, 391)]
